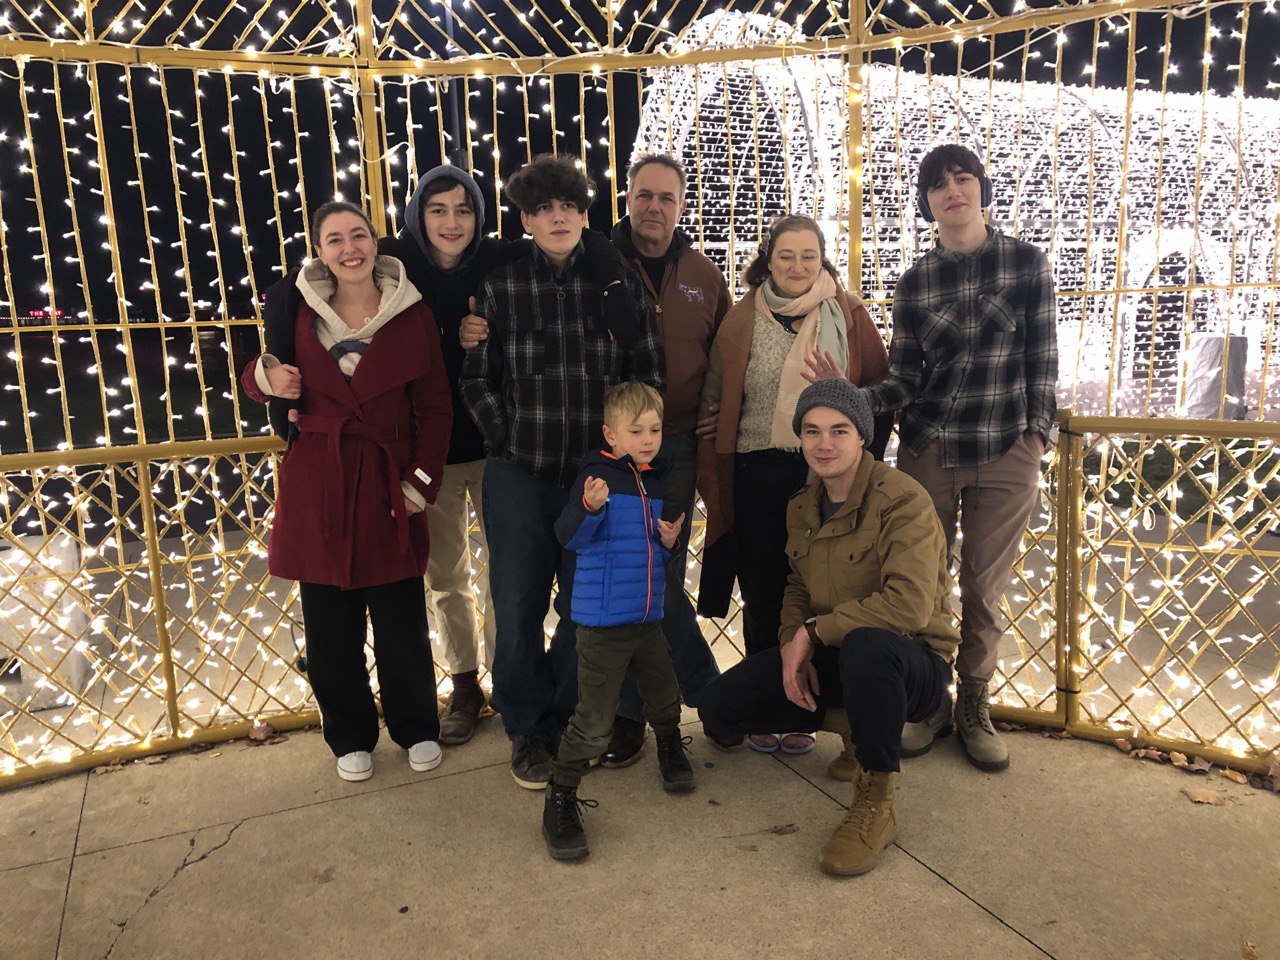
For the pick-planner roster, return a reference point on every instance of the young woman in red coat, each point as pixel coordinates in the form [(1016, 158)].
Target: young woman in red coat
[(370, 424)]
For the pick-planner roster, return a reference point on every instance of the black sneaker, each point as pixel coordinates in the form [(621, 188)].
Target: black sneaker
[(562, 823), (677, 774), (530, 762), (626, 745)]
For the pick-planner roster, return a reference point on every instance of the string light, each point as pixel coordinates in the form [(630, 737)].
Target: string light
[(206, 217)]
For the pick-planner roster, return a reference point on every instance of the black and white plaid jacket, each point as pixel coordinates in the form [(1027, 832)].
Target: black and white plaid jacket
[(536, 386), (973, 362)]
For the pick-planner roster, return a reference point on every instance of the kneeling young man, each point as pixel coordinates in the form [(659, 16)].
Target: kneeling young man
[(866, 623)]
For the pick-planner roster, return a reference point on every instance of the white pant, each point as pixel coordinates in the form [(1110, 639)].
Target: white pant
[(451, 601)]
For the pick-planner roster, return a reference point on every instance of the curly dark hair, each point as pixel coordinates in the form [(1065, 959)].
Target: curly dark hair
[(546, 178), (758, 270)]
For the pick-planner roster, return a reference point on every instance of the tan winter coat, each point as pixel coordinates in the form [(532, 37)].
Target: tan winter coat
[(880, 561)]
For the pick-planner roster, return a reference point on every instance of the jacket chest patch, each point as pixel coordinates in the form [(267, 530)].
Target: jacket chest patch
[(692, 294)]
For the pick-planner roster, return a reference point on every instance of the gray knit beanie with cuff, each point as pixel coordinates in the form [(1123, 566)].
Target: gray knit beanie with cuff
[(840, 395)]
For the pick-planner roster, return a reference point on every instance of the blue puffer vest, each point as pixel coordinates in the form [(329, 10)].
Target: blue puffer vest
[(619, 574)]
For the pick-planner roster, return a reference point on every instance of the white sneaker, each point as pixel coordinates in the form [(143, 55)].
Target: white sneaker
[(424, 756), (357, 765)]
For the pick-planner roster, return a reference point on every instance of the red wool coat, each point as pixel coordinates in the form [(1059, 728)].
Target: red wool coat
[(339, 482)]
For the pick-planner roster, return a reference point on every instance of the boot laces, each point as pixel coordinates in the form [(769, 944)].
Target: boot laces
[(863, 809), (672, 748), (567, 803), (977, 710)]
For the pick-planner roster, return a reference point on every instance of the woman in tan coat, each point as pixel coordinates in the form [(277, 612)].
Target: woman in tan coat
[(794, 307)]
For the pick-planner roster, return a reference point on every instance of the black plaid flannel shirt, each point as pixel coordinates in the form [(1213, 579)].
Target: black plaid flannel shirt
[(536, 386), (973, 362)]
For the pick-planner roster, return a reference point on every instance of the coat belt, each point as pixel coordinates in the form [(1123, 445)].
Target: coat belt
[(382, 436)]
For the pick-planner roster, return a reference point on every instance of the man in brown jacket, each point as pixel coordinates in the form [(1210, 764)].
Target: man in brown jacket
[(866, 622)]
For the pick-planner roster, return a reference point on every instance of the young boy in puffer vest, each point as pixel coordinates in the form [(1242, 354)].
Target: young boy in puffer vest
[(613, 522)]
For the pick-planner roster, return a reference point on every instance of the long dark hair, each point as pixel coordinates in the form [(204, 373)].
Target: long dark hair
[(758, 269)]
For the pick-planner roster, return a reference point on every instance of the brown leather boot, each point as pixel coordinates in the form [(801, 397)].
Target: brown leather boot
[(845, 765), (868, 827)]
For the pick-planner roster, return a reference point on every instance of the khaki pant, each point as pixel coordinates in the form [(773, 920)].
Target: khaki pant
[(992, 503), (451, 602)]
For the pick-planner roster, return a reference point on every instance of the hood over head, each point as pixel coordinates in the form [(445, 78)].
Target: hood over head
[(413, 209)]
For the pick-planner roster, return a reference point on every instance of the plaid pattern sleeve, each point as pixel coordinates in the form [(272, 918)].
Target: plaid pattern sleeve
[(1042, 350), (536, 386), (973, 362), (482, 372)]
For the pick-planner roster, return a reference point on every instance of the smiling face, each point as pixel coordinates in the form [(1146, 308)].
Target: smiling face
[(449, 224), (640, 439), (956, 199), (556, 227), (346, 245), (831, 444), (655, 203), (795, 262)]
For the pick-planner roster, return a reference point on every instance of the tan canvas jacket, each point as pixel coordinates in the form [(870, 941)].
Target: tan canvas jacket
[(880, 561)]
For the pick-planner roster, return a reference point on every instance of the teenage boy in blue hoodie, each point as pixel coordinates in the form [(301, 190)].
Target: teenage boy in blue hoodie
[(613, 522)]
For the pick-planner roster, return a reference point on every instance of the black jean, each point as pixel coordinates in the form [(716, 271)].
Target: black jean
[(882, 681), (694, 663), (763, 482), (335, 626)]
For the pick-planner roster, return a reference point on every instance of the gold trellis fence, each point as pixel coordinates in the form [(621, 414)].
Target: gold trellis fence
[(159, 161)]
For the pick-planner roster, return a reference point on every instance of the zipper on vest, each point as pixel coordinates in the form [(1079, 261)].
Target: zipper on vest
[(648, 540)]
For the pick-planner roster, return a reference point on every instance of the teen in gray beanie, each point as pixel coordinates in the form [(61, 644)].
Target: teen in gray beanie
[(838, 394)]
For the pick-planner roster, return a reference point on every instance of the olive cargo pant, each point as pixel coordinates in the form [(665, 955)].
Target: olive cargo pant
[(606, 655)]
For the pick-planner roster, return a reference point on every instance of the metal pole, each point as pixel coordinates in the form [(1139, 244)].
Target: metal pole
[(370, 144), (159, 608)]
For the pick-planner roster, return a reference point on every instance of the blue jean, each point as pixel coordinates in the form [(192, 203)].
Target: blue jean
[(535, 688), (691, 656)]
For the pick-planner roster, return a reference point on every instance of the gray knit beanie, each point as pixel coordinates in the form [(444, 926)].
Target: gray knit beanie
[(841, 395)]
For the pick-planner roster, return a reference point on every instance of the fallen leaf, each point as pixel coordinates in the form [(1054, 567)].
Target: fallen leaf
[(153, 760), (1203, 795), (1152, 754), (1259, 782), (1250, 952), (1179, 760), (1235, 776), (1200, 765), (261, 732), (1123, 744), (748, 847), (714, 802), (200, 747), (782, 829), (111, 767), (278, 738), (216, 753)]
